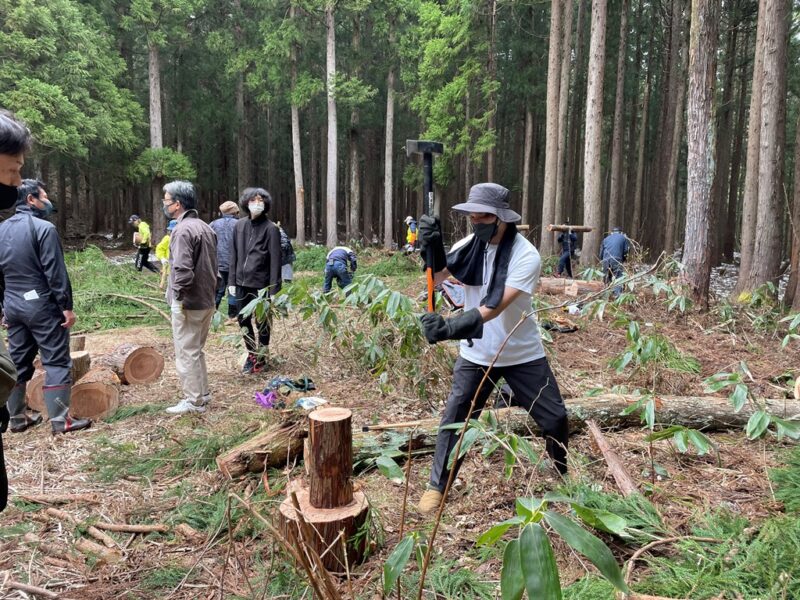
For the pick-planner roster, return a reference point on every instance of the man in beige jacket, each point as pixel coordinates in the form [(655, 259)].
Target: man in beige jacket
[(191, 293)]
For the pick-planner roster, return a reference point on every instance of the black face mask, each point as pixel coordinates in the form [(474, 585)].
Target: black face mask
[(485, 231), (8, 196)]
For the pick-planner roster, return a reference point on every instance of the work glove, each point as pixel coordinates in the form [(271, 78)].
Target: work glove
[(4, 418), (232, 291), (467, 325), (176, 307), (431, 244)]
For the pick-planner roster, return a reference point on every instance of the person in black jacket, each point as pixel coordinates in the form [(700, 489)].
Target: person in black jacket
[(567, 240), (37, 303), (255, 264), (15, 141)]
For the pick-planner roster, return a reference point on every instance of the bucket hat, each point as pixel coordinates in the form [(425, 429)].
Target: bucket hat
[(489, 198)]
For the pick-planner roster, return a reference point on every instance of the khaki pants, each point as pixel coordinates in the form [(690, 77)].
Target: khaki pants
[(189, 331)]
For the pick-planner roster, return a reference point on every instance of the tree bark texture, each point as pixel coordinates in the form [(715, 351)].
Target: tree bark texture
[(700, 133), (792, 296), (354, 227), (331, 238), (388, 163), (592, 175), (615, 195), (297, 155), (765, 265), (526, 167), (551, 120), (750, 194), (670, 197), (563, 107)]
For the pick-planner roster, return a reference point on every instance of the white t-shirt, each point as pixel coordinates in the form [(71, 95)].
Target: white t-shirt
[(525, 344)]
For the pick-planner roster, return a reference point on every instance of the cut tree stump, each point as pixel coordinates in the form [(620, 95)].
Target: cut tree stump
[(77, 343), (273, 447), (81, 363), (95, 395), (568, 287), (331, 511), (134, 364)]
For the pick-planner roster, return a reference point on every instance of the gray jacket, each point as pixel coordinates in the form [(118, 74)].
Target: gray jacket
[(224, 227), (193, 251), (31, 259)]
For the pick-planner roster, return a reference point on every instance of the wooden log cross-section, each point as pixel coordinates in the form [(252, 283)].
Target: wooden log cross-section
[(34, 393), (330, 511), (95, 395), (134, 364)]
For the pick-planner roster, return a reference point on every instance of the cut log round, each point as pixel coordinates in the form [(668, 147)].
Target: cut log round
[(81, 362), (326, 526), (33, 392), (95, 395), (568, 287), (134, 364), (270, 448), (330, 437), (77, 343)]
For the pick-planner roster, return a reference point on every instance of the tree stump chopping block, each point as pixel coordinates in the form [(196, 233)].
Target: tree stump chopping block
[(134, 364), (326, 525), (330, 440), (77, 343), (95, 395), (332, 512), (81, 363)]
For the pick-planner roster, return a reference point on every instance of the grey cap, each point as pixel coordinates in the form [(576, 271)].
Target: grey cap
[(489, 198)]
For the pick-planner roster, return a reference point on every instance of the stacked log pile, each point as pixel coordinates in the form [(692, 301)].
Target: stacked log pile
[(96, 380)]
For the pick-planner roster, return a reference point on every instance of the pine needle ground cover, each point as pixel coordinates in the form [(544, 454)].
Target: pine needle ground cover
[(146, 467)]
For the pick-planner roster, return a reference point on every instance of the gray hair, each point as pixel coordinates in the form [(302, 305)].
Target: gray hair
[(182, 191)]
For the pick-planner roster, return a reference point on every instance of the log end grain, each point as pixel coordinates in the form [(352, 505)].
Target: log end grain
[(143, 365), (95, 395)]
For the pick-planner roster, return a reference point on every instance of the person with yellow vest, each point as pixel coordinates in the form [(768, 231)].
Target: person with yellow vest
[(162, 253), (141, 239)]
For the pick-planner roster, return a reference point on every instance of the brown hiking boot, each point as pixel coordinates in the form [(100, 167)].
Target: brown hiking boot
[(429, 502)]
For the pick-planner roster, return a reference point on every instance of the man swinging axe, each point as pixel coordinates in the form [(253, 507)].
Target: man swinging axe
[(499, 269)]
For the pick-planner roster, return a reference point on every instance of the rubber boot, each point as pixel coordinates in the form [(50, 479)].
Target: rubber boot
[(56, 399), (20, 419)]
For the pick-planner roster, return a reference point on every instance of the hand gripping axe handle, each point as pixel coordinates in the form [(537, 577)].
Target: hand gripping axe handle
[(427, 149)]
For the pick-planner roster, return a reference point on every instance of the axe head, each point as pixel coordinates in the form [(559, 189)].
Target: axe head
[(423, 147)]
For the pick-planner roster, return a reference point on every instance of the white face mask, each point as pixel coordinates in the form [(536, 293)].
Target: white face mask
[(256, 208)]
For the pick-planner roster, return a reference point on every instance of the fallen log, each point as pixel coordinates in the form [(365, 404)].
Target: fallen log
[(273, 447), (95, 395), (568, 287), (128, 528), (27, 588), (65, 517), (709, 413), (573, 228), (134, 364), (284, 441)]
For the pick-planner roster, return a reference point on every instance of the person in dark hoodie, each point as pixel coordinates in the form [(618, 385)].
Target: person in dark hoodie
[(15, 141), (37, 304), (255, 264)]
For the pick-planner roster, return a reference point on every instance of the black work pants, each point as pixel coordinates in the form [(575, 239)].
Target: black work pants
[(222, 286), (535, 389), (565, 263), (142, 256), (3, 478), (38, 328), (245, 296)]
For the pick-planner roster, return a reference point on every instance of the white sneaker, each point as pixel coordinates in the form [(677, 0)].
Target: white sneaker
[(204, 400), (185, 406)]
